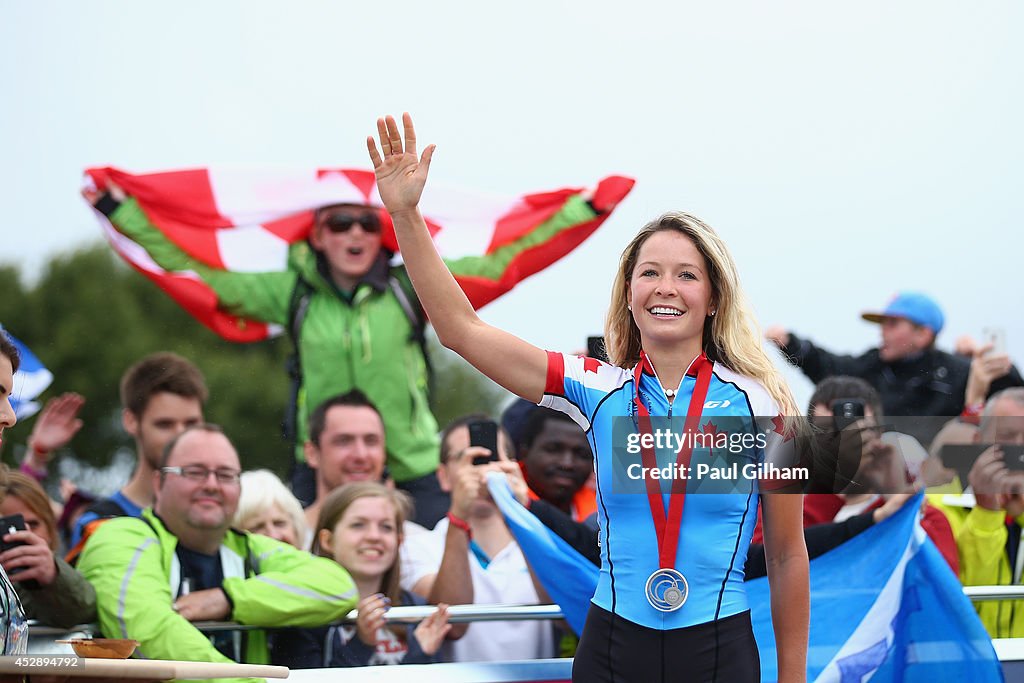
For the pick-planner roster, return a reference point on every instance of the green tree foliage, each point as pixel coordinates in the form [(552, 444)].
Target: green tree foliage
[(459, 389), (89, 317)]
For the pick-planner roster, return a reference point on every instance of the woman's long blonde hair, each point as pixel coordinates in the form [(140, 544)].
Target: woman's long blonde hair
[(731, 336)]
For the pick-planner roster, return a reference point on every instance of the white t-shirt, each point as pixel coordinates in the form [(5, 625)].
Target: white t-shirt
[(505, 581), (854, 509)]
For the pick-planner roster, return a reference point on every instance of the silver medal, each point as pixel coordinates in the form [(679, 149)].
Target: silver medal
[(666, 590)]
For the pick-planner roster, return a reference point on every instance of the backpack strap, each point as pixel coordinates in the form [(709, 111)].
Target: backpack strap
[(107, 510), (414, 312), (297, 310), (417, 318), (88, 530), (298, 307)]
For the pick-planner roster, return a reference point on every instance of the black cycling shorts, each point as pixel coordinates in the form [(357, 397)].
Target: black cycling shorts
[(615, 650)]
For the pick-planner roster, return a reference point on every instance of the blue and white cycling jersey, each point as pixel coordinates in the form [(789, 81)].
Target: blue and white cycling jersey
[(716, 527)]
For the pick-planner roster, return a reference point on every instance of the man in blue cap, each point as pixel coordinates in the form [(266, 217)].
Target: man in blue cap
[(912, 377), (909, 323)]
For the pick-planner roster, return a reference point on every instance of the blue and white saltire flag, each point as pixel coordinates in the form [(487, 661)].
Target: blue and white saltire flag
[(568, 577), (30, 381), (885, 606)]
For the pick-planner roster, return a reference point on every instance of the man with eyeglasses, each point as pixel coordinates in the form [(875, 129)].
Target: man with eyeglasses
[(180, 562), (355, 322)]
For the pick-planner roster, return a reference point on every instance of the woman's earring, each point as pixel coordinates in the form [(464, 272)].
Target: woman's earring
[(628, 307)]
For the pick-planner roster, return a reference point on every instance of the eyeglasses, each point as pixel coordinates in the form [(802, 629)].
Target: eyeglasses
[(199, 474), (342, 222)]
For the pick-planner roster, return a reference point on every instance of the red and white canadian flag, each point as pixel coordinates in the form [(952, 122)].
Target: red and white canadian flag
[(244, 220)]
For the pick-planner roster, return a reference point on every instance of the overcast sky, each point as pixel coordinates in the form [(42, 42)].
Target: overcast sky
[(843, 151)]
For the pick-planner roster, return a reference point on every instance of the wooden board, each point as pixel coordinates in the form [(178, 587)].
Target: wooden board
[(136, 668)]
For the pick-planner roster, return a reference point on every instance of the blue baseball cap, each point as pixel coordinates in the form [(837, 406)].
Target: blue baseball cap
[(918, 308)]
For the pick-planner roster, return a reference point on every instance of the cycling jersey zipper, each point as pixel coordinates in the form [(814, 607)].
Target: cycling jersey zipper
[(670, 394)]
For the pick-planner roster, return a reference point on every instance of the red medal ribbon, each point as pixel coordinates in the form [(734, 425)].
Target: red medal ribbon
[(667, 529)]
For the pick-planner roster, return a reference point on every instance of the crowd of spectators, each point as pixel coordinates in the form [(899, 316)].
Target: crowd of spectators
[(192, 537)]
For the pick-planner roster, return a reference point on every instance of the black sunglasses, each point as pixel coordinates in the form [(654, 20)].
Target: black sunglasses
[(343, 222)]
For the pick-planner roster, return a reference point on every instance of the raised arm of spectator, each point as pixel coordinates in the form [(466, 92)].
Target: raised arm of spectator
[(986, 368), (981, 539), (453, 583), (56, 425), (496, 264), (263, 296), (401, 175), (816, 362)]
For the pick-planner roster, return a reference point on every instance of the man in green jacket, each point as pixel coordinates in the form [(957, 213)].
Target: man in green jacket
[(355, 330), (181, 563)]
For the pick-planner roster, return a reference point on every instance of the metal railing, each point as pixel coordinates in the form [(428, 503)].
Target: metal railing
[(989, 593), (460, 614), (42, 637), (457, 614)]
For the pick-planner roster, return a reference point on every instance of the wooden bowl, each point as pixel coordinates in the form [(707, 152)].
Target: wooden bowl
[(103, 648)]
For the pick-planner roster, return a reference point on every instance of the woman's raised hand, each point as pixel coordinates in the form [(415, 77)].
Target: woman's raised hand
[(400, 174)]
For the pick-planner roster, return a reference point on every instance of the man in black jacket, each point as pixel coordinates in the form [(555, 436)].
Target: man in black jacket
[(912, 377)]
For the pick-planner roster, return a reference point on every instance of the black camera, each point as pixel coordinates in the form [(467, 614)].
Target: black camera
[(846, 411)]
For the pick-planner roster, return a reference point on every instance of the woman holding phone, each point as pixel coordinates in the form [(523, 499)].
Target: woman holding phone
[(670, 602), (51, 591)]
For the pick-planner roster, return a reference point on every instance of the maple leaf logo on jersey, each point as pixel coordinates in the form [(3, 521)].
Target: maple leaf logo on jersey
[(590, 364), (710, 429), (710, 437)]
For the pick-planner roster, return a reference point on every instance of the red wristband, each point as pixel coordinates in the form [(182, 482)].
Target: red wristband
[(972, 413), (460, 523)]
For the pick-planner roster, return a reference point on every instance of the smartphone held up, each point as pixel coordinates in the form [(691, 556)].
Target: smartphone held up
[(484, 434), (994, 337), (8, 525)]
